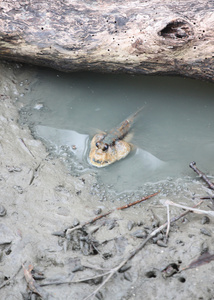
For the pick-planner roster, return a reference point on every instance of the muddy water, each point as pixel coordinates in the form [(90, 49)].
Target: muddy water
[(175, 127)]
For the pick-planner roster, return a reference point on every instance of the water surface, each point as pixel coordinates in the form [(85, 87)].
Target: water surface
[(175, 127)]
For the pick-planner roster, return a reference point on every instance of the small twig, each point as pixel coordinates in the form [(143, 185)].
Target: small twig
[(168, 221), (34, 174), (201, 174), (69, 281), (211, 198), (138, 201), (89, 266), (11, 278), (92, 277), (57, 282), (197, 211), (23, 142)]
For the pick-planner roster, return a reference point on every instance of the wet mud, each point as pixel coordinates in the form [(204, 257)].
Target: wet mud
[(41, 203)]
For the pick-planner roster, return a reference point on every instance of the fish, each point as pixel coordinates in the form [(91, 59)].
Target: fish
[(108, 147)]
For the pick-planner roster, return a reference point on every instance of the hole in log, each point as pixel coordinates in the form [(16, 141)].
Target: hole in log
[(176, 29)]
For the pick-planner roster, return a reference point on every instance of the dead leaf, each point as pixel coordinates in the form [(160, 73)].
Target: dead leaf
[(204, 258), (33, 285)]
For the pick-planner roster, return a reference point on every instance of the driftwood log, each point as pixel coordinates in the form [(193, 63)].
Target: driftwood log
[(133, 36)]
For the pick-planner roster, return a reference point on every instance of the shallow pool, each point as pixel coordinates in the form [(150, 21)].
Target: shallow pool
[(175, 127)]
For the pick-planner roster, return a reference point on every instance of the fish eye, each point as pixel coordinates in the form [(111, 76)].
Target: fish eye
[(97, 144), (105, 147)]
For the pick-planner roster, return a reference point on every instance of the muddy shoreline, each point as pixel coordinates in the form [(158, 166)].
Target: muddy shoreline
[(41, 198)]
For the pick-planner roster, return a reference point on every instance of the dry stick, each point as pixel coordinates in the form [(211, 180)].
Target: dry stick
[(90, 266), (69, 281), (197, 211), (57, 282), (69, 230), (133, 253), (23, 142), (138, 201), (201, 174), (168, 220), (34, 173)]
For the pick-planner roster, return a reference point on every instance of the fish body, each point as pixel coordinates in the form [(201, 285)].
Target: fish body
[(109, 147)]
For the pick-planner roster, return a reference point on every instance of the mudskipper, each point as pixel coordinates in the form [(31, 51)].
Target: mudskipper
[(109, 147)]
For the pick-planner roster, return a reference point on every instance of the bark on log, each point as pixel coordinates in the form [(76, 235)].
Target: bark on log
[(134, 36)]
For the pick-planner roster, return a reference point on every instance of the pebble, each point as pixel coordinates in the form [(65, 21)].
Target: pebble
[(38, 106), (139, 223), (141, 234), (124, 268), (180, 242), (77, 268), (76, 222), (161, 244), (155, 223), (205, 220), (191, 235), (98, 211), (97, 280), (127, 276), (2, 211), (204, 247), (107, 255), (158, 237), (130, 225), (99, 296), (205, 231), (111, 226), (59, 233)]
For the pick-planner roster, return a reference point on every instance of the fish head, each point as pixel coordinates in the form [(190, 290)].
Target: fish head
[(102, 154)]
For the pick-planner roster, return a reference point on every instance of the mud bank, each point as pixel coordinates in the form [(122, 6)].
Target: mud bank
[(40, 198)]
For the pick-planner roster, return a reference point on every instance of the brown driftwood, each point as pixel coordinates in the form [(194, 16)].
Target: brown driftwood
[(133, 36)]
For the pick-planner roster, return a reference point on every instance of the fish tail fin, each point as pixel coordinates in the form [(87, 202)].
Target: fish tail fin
[(131, 118)]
